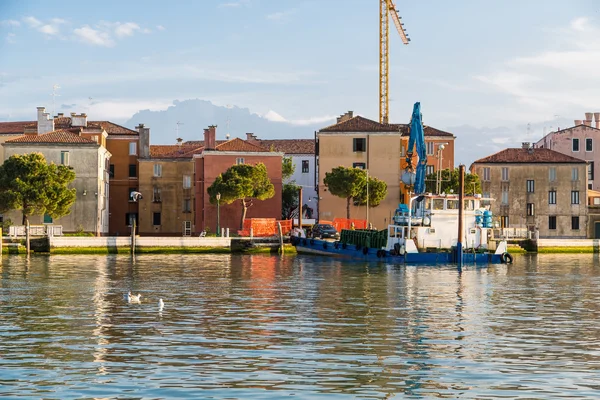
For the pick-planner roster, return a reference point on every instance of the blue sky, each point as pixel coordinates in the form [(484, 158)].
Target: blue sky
[(479, 63)]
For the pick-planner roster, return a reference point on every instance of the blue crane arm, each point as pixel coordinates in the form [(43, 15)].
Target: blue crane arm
[(417, 139)]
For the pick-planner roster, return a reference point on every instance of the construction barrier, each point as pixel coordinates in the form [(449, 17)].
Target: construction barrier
[(264, 227), (343, 223)]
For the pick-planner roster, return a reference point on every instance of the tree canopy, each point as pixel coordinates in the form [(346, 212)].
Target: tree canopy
[(28, 183), (287, 168), (351, 184), (242, 182), (449, 182)]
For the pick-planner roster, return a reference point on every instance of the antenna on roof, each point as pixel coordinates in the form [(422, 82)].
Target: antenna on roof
[(177, 129), (54, 94)]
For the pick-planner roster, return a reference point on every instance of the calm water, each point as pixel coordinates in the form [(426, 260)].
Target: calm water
[(265, 327)]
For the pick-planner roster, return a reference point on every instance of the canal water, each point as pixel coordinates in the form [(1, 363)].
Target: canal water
[(268, 328)]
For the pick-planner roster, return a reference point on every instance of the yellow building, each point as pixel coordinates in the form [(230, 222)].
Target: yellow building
[(355, 141)]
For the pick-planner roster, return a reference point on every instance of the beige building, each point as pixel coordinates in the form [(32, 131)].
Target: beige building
[(82, 148), (355, 141), (538, 189)]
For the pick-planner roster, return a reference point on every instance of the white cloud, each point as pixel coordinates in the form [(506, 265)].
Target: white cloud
[(160, 27), (32, 22), (146, 30), (126, 29), (10, 22), (234, 4), (58, 21), (281, 16), (10, 38), (48, 29), (275, 117), (92, 36)]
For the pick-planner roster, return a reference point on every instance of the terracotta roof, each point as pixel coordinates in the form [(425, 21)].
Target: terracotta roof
[(13, 128), (70, 136), (172, 151), (523, 156), (65, 123), (362, 124), (238, 144), (200, 143), (289, 146)]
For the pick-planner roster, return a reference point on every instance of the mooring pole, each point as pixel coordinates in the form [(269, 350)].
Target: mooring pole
[(299, 208), (133, 237), (461, 206), (280, 237)]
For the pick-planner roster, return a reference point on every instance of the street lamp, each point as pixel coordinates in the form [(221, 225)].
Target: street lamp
[(438, 185), (218, 214)]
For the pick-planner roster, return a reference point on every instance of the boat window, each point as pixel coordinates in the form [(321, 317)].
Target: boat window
[(452, 204), (392, 231), (438, 204), (427, 203), (469, 205)]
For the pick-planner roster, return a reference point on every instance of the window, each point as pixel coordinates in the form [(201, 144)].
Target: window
[(530, 186), (156, 195), (430, 148), (552, 197), (132, 171), (157, 170), (504, 221), (156, 218), (504, 196), (359, 144), (575, 144), (574, 196), (575, 223), (589, 144), (187, 181), (64, 157), (504, 173), (360, 165), (552, 174), (486, 174), (132, 148), (111, 171), (552, 222), (131, 190), (574, 174), (530, 209), (305, 166), (429, 169), (130, 217), (47, 219), (590, 170), (187, 205), (239, 160), (95, 138)]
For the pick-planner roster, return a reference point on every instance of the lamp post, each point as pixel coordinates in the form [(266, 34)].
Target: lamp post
[(218, 214), (438, 185)]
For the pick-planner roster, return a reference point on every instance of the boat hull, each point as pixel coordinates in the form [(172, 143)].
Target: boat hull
[(330, 249)]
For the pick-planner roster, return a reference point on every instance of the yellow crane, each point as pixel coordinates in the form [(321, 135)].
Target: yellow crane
[(387, 8)]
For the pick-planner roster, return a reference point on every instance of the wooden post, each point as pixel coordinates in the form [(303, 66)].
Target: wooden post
[(299, 207), (133, 237), (27, 243), (280, 237), (461, 200)]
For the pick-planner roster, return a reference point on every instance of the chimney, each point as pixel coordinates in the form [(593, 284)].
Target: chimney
[(597, 117), (251, 137), (79, 120), (345, 117), (525, 145), (210, 135), (60, 115), (144, 141), (578, 122), (45, 124), (179, 141)]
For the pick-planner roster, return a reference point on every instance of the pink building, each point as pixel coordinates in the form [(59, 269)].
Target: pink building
[(580, 141)]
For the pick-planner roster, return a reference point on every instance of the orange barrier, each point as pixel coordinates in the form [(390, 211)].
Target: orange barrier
[(262, 227), (343, 223)]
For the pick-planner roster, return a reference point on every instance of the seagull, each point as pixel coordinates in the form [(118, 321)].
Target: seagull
[(161, 304), (131, 298)]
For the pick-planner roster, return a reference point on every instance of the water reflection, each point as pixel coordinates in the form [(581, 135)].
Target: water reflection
[(247, 326)]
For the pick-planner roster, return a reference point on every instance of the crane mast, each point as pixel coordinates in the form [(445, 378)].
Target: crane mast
[(387, 8)]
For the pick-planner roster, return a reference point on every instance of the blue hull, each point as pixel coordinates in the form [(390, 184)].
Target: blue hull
[(325, 248)]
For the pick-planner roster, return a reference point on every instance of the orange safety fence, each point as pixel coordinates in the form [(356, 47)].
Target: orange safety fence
[(262, 227), (343, 223)]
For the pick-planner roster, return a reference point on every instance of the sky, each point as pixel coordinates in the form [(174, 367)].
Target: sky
[(470, 62)]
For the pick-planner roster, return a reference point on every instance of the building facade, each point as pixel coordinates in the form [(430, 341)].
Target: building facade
[(580, 141), (538, 189), (355, 141)]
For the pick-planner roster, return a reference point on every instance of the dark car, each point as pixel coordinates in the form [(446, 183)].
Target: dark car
[(324, 231)]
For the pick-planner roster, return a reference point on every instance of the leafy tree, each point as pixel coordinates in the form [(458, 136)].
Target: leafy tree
[(351, 184), (242, 182), (287, 168), (289, 200), (449, 182), (29, 184)]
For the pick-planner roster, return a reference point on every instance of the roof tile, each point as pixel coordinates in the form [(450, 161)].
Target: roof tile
[(519, 155), (362, 124), (70, 136)]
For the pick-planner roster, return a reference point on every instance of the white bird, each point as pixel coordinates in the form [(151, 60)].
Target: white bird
[(161, 304), (131, 298)]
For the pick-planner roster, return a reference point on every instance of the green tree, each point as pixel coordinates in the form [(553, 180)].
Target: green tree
[(449, 182), (289, 193), (242, 182), (287, 168), (28, 183), (351, 184)]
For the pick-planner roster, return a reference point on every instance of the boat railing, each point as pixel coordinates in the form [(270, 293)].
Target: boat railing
[(512, 233)]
